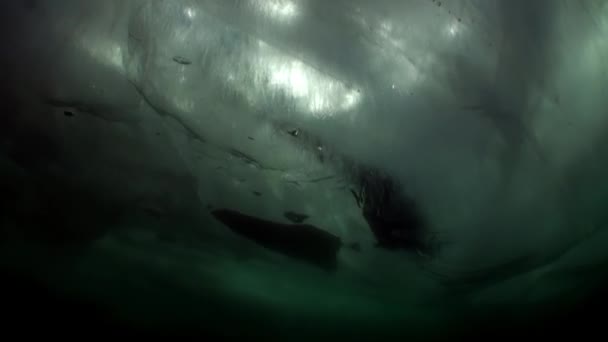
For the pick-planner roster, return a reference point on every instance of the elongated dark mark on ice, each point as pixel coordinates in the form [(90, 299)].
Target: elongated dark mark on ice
[(321, 179), (182, 60), (299, 241), (246, 158), (293, 182)]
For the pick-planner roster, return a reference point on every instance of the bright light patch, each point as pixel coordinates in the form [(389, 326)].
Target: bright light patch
[(106, 52), (283, 10), (190, 12), (318, 103), (351, 99), (317, 93), (312, 91), (293, 77), (453, 29)]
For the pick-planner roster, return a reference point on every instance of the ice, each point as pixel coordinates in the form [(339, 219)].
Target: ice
[(490, 114)]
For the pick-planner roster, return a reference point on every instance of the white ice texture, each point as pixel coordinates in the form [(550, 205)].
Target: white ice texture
[(491, 113)]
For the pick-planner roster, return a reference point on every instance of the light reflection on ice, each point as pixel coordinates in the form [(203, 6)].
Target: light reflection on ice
[(190, 12), (250, 68), (291, 76), (282, 10), (315, 91), (105, 51), (453, 29)]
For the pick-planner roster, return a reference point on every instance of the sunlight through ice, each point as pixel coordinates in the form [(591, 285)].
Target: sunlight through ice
[(278, 9), (190, 12)]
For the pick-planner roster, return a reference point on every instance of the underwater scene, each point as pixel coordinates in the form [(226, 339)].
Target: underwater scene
[(290, 170)]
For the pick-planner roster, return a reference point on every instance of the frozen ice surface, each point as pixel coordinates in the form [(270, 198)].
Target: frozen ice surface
[(125, 122)]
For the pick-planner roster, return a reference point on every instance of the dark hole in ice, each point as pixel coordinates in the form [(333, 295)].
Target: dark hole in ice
[(299, 241), (393, 217)]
